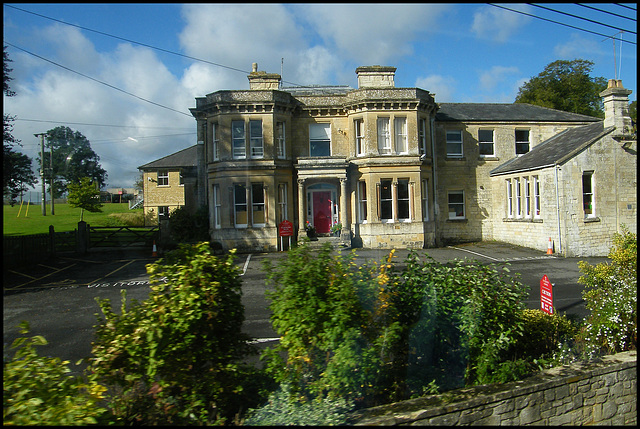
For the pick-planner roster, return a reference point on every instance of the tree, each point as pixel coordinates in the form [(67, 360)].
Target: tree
[(17, 174), (73, 159), (85, 195), (566, 85)]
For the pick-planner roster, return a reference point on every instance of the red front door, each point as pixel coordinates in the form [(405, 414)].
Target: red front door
[(322, 212)]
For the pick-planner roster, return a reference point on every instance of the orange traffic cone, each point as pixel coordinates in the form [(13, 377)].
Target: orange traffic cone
[(155, 250), (550, 248)]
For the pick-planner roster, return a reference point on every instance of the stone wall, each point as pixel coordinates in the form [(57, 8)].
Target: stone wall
[(602, 393)]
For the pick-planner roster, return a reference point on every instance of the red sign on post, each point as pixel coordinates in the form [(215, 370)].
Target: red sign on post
[(286, 228), (546, 295)]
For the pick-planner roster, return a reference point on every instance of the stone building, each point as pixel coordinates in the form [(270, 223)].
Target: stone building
[(397, 170), (170, 182)]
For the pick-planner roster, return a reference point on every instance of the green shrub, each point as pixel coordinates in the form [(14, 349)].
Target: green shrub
[(186, 227), (612, 297), (543, 334), (286, 409), (176, 358), (38, 390), (133, 218)]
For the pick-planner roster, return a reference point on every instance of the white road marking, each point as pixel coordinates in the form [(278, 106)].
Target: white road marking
[(246, 265), (475, 253)]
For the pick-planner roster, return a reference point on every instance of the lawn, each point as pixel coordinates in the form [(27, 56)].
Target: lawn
[(66, 218)]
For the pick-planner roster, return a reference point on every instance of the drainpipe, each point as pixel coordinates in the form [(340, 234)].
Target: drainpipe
[(435, 178), (558, 210)]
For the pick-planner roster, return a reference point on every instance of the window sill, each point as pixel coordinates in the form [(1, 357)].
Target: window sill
[(489, 158), (459, 220), (591, 219), (522, 219), (456, 158)]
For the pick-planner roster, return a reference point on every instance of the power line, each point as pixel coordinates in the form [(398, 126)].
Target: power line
[(556, 22), (139, 43), (579, 17), (99, 125), (622, 5), (606, 11), (96, 80)]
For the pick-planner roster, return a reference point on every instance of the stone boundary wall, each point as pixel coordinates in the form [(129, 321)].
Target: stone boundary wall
[(602, 393)]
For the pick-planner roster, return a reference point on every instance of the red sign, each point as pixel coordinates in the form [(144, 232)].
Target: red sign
[(286, 228), (546, 295)]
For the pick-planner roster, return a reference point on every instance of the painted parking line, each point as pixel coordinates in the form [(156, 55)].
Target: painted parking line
[(40, 278), (114, 271), (246, 265), (475, 253), (263, 340)]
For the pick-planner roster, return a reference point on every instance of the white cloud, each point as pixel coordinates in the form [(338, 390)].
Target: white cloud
[(581, 47), (495, 76), (498, 24), (442, 87)]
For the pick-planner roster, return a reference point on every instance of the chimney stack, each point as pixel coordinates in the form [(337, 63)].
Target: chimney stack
[(262, 80), (616, 107), (376, 77)]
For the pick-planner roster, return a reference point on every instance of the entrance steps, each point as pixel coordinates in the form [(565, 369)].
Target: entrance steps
[(336, 243)]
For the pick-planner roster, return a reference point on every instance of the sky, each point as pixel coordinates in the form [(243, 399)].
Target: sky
[(125, 75)]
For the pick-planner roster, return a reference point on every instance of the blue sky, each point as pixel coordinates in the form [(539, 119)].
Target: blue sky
[(461, 52)]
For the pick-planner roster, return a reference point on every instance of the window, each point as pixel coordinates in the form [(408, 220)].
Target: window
[(280, 140), (400, 128), (358, 125), (240, 205), (384, 137), (215, 142), (454, 143), (536, 197), (320, 140), (587, 195), (181, 178), (527, 197), (516, 184), (238, 140), (255, 139), (485, 142), (258, 216), (522, 142), (163, 212), (386, 201), (509, 198), (362, 201), (163, 178), (456, 204), (422, 136), (282, 202), (217, 206), (425, 200), (404, 212)]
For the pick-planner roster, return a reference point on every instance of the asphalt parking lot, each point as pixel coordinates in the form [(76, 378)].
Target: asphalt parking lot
[(58, 298)]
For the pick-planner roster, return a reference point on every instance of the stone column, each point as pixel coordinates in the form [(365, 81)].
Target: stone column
[(301, 209), (345, 235)]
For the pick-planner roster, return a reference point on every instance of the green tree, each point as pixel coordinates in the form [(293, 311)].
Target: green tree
[(73, 158), (567, 86), (84, 195)]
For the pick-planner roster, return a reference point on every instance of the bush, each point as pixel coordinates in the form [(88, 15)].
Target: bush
[(611, 296), (38, 391), (186, 227), (176, 357), (133, 218)]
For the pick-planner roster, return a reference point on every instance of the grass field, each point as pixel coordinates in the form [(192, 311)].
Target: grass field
[(66, 218)]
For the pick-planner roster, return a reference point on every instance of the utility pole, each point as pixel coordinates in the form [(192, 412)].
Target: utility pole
[(44, 196), (51, 171)]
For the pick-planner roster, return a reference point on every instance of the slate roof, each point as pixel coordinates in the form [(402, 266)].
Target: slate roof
[(555, 150), (521, 112), (184, 158)]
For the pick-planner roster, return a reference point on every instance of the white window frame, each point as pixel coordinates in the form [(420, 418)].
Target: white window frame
[(215, 142), (425, 200), (362, 202), (509, 198), (282, 202), (281, 150), (217, 206), (384, 136), (386, 201), (239, 204), (258, 204), (449, 204), (256, 142), (518, 197), (422, 136), (590, 193), (400, 136), (238, 142), (162, 178), (527, 197), (522, 142), (405, 200), (451, 142), (358, 125), (487, 142), (537, 210), (163, 212), (315, 134)]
